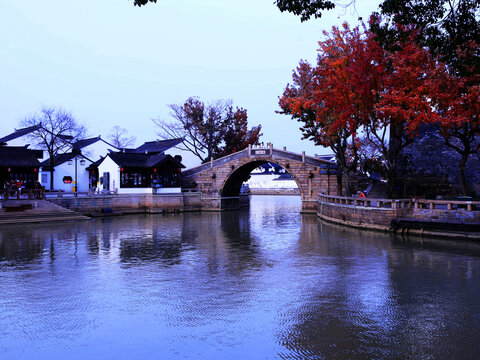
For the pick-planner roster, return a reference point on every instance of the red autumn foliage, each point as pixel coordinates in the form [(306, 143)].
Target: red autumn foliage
[(357, 86)]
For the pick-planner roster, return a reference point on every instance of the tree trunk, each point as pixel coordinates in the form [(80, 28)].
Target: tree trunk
[(392, 192), (339, 185), (346, 177), (395, 141), (51, 179), (463, 180)]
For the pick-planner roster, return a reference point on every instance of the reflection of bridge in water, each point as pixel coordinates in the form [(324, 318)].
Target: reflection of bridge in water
[(220, 181)]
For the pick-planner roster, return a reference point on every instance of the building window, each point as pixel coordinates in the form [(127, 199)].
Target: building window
[(142, 178), (132, 178)]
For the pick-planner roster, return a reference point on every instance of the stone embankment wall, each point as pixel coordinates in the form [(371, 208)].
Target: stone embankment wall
[(130, 204), (361, 216), (426, 217)]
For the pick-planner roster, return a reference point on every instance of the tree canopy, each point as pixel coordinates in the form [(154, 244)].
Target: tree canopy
[(142, 2), (358, 86), (449, 29), (209, 130), (305, 9)]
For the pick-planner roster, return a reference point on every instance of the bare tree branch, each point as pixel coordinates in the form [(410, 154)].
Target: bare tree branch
[(120, 139), (59, 128)]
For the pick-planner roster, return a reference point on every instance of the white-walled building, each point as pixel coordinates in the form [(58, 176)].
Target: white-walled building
[(71, 170), (133, 173)]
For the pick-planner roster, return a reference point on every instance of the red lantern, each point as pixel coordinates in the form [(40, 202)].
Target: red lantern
[(154, 170), (121, 169), (35, 170)]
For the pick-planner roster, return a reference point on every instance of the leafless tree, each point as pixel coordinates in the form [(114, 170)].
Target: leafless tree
[(57, 132), (201, 126), (120, 139)]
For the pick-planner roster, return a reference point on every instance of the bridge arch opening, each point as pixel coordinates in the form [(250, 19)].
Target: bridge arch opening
[(233, 183)]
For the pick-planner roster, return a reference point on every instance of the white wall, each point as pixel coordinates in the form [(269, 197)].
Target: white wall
[(267, 182), (108, 165), (66, 169), (149, 190), (134, 190)]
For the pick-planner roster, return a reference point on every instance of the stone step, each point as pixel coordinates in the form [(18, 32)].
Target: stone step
[(37, 219), (40, 211), (27, 213)]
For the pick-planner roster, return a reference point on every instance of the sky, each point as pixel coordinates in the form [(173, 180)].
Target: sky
[(111, 63)]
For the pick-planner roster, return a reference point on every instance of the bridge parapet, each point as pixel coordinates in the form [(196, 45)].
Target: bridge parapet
[(258, 152)]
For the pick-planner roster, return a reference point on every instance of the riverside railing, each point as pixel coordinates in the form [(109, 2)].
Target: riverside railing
[(414, 204), (19, 194)]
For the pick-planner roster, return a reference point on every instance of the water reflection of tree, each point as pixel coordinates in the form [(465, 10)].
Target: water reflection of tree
[(437, 287), (375, 298), (331, 316)]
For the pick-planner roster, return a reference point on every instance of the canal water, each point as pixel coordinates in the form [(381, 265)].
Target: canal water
[(261, 283)]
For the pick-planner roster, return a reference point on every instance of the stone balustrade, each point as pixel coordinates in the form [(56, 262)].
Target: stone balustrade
[(367, 202), (414, 204)]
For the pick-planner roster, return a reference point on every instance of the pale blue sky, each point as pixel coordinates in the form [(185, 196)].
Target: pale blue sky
[(111, 63)]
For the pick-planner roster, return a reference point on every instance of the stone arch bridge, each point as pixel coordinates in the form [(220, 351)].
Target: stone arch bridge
[(220, 181)]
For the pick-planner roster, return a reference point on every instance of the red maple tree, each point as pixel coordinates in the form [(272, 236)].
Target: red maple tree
[(358, 87), (326, 98)]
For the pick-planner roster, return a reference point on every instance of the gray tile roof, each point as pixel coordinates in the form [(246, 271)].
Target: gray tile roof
[(77, 145), (158, 146), (138, 160), (18, 133), (12, 156)]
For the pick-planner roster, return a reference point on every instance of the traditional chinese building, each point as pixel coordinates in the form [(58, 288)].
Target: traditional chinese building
[(146, 169), (19, 163), (72, 170)]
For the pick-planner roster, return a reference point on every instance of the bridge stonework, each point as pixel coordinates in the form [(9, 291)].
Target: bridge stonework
[(220, 180)]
